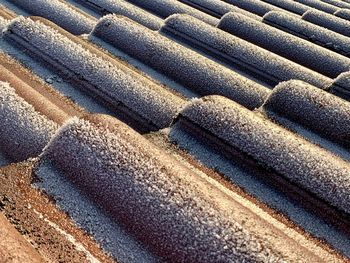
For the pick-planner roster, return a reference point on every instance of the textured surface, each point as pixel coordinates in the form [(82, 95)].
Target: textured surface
[(13, 247), (304, 163), (316, 34), (331, 22), (201, 74), (312, 108), (341, 86), (261, 62), (338, 3), (346, 1), (121, 7), (3, 23), (254, 6), (24, 132), (115, 82), (290, 5), (205, 180), (60, 13), (126, 167), (343, 13), (322, 6), (298, 50), (218, 8), (44, 227), (165, 8)]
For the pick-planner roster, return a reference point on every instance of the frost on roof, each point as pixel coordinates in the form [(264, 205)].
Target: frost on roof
[(317, 4), (3, 24), (294, 48), (219, 8), (341, 86), (60, 13), (331, 22), (337, 3), (302, 162), (311, 107), (141, 186), (165, 8), (343, 13), (112, 81), (185, 66), (121, 7), (24, 132), (254, 6), (261, 62), (290, 5), (316, 34)]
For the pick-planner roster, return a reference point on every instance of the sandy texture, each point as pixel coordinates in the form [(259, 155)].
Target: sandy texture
[(314, 108), (185, 66), (304, 163), (112, 81), (319, 5), (260, 62), (316, 34), (329, 21), (121, 7), (291, 47), (60, 13), (24, 132), (165, 8)]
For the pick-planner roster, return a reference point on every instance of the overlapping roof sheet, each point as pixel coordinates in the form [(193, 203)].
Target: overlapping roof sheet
[(208, 131)]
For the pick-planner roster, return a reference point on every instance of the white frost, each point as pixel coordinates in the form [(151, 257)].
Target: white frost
[(183, 65), (156, 198), (302, 162), (261, 62), (291, 47), (24, 132), (329, 21), (114, 82), (60, 13)]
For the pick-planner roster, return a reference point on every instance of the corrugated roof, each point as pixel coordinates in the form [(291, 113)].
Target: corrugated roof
[(184, 131)]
